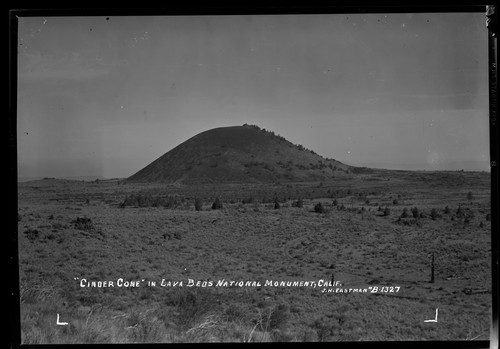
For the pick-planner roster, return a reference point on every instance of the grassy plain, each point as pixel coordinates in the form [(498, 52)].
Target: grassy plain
[(253, 241)]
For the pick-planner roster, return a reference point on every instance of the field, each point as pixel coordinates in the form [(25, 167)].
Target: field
[(72, 233)]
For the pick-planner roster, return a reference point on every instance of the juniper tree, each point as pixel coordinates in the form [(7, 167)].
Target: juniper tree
[(198, 204), (319, 208), (276, 204), (434, 214), (217, 204), (415, 212), (405, 213)]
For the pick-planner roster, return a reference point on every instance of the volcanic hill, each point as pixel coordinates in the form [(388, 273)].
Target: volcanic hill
[(239, 154)]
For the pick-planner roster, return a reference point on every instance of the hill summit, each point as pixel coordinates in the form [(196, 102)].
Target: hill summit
[(239, 154)]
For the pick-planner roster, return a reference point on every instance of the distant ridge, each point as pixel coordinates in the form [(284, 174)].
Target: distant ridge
[(239, 154), (469, 165), (72, 178)]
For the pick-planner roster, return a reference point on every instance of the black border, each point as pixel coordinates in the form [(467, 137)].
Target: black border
[(493, 107), (353, 7)]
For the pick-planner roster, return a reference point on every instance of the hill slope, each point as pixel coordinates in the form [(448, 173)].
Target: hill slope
[(239, 154)]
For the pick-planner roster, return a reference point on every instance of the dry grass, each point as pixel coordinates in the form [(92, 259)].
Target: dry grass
[(254, 241)]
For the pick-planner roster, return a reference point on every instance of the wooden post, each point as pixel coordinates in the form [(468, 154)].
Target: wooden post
[(432, 268)]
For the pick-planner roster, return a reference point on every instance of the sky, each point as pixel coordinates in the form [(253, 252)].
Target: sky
[(106, 96)]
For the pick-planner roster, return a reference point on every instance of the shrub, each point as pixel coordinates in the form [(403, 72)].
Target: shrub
[(395, 202), (447, 210), (158, 202), (235, 313), (144, 328), (135, 200), (460, 211), (281, 336), (335, 202), (36, 293), (324, 328), (319, 208), (125, 202), (299, 203), (387, 212), (58, 226), (405, 213), (191, 305), (309, 335), (250, 200), (470, 196), (198, 204), (32, 234), (148, 200), (278, 316), (488, 217), (84, 224), (50, 237), (144, 200), (172, 201), (217, 205)]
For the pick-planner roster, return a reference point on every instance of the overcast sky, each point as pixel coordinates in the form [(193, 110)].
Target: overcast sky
[(105, 96)]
